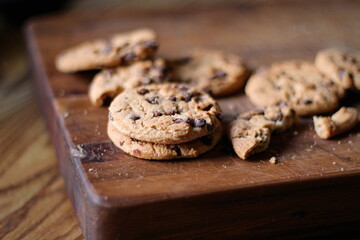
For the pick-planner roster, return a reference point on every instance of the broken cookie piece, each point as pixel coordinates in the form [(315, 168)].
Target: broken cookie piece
[(251, 131), (340, 122)]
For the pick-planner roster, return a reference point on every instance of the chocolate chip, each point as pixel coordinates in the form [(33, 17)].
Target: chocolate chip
[(219, 116), (187, 97), (259, 111), (134, 117), (219, 74), (111, 117), (207, 108), (342, 74), (207, 140), (143, 91), (137, 151), (278, 117), (282, 104), (108, 47), (172, 112), (151, 44), (210, 127), (199, 122), (121, 143), (180, 120), (183, 88), (153, 100), (157, 114), (177, 150), (172, 98), (306, 101), (129, 57)]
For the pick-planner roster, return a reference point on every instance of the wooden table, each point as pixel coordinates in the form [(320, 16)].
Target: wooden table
[(40, 207)]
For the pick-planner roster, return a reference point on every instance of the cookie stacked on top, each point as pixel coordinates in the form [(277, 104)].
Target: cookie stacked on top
[(164, 121)]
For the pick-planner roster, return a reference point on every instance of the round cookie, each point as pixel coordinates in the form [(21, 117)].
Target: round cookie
[(110, 82), (342, 66), (148, 150), (298, 83), (218, 72), (164, 113), (120, 49)]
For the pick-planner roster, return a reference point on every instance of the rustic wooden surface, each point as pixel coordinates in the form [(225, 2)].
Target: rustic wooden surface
[(33, 201), (20, 218)]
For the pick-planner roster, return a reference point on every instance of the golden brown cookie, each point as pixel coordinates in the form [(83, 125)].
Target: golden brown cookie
[(164, 113), (110, 82), (155, 151), (342, 66), (119, 49), (298, 83), (218, 72)]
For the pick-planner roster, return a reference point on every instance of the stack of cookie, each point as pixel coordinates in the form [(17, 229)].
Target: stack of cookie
[(164, 121)]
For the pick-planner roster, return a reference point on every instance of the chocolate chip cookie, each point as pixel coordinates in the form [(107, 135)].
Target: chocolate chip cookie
[(340, 122), (120, 49), (218, 72), (251, 131), (342, 66), (110, 82), (164, 113), (298, 83), (155, 151)]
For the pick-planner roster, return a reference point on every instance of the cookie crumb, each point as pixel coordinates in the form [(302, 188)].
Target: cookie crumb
[(296, 133), (342, 169), (273, 160), (334, 163), (66, 114)]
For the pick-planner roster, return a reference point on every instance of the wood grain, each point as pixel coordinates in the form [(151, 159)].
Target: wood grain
[(314, 186), (33, 202)]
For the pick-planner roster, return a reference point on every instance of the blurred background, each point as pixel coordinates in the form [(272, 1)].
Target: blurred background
[(33, 200)]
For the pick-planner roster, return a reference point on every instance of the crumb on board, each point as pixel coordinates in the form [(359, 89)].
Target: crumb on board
[(66, 114), (272, 160)]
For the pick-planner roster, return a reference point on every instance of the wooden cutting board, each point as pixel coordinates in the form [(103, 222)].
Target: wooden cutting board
[(314, 186)]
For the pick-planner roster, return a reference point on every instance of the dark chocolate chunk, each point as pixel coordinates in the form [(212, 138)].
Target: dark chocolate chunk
[(172, 112), (111, 117), (219, 116), (121, 143), (172, 98), (143, 91), (259, 111), (219, 74), (177, 150), (151, 44), (199, 122), (278, 117), (183, 88), (282, 104), (134, 117), (342, 74), (180, 120), (306, 101), (210, 127), (108, 47), (157, 114), (129, 57), (207, 108), (153, 100)]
